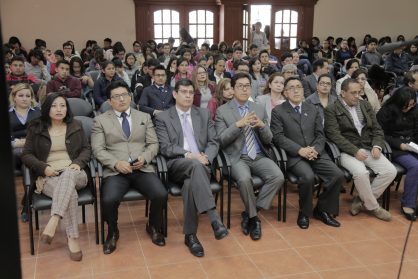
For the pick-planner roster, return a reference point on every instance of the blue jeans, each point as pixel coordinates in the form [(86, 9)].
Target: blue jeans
[(410, 163)]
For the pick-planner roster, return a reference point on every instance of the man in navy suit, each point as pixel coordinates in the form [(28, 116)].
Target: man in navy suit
[(157, 97)]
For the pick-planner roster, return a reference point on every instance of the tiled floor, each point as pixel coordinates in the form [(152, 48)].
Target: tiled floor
[(363, 247)]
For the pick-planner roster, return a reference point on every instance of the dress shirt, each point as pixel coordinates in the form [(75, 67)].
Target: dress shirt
[(293, 106), (128, 116), (354, 114), (22, 118)]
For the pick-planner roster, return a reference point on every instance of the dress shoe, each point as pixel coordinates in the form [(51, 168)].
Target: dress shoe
[(74, 255), (110, 244), (245, 219), (219, 230), (409, 213), (156, 237), (382, 214), (194, 245), (326, 218), (356, 206), (303, 221), (255, 228)]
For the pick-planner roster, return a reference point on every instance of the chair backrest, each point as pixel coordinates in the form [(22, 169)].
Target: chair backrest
[(80, 107), (94, 75), (87, 123), (106, 106)]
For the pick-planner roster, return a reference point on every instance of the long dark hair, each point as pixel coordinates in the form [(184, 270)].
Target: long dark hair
[(45, 119), (400, 99), (79, 61)]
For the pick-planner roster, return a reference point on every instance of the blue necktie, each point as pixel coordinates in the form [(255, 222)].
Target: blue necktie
[(125, 125), (249, 136), (161, 89), (297, 109)]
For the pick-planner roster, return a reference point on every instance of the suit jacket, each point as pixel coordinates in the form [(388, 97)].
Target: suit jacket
[(151, 99), (293, 131), (170, 133), (231, 137), (309, 85), (212, 76), (339, 128), (265, 102), (110, 144)]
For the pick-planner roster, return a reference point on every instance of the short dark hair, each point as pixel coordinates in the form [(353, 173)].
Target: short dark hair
[(37, 53), (290, 79), (116, 84), (109, 40), (408, 78), (206, 45), (324, 76), (372, 40), (239, 76), (136, 42), (238, 48), (67, 44), (229, 50), (240, 63), (286, 55), (40, 43), (118, 63), (17, 58), (59, 52), (318, 63), (217, 59), (62, 62), (263, 51), (46, 107), (183, 82), (358, 72), (346, 83), (159, 67), (253, 46)]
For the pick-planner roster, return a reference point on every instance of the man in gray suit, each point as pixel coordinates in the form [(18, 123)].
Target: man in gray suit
[(244, 136), (188, 139), (297, 128), (124, 141), (319, 67)]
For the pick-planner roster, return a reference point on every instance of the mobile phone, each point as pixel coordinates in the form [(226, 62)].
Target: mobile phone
[(133, 162)]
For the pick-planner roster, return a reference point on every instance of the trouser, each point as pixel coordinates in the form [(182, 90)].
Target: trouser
[(410, 188)]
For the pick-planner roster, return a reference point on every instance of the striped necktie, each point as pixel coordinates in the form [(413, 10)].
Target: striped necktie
[(249, 136)]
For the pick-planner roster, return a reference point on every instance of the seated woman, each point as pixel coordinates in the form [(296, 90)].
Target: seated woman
[(56, 151), (130, 65), (77, 70), (258, 78), (273, 94), (171, 71), (223, 93), (204, 89), (182, 70), (367, 93), (23, 109), (398, 118)]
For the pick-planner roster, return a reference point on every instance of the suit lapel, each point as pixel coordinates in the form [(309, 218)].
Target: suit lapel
[(306, 114), (115, 122), (135, 119), (292, 113), (234, 110), (175, 122)]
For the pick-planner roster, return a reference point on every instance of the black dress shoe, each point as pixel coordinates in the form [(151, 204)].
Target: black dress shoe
[(255, 228), (326, 218), (219, 230), (156, 237), (303, 221), (110, 244), (245, 219), (409, 216), (194, 245)]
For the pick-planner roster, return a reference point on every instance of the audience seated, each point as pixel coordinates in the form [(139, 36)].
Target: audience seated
[(344, 53), (219, 72), (397, 62), (310, 82), (258, 78), (371, 57), (366, 93), (63, 82), (130, 65), (204, 88), (77, 70), (236, 56), (223, 94), (351, 124), (17, 73), (266, 67), (57, 153), (351, 66), (107, 76), (37, 65)]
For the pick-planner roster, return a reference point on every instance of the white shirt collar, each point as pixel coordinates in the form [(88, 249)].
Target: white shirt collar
[(128, 112)]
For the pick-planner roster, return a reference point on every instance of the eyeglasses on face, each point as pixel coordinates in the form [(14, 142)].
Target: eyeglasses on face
[(294, 88), (243, 86), (324, 83), (118, 96)]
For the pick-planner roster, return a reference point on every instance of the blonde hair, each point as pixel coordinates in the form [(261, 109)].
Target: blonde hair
[(220, 90), (18, 87)]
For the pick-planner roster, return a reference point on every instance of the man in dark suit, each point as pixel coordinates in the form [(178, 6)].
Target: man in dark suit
[(297, 128), (125, 142), (157, 97), (188, 139), (245, 136), (219, 72)]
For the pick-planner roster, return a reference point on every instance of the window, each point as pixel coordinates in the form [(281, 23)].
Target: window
[(166, 24), (286, 29), (245, 29), (201, 26)]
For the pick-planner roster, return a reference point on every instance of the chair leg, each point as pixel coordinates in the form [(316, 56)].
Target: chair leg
[(36, 220), (284, 201), (96, 222), (216, 199), (83, 213), (228, 222), (352, 189), (222, 203), (165, 213), (146, 207), (397, 184), (101, 222), (30, 221), (279, 205)]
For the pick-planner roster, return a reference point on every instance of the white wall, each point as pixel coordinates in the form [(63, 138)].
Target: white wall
[(345, 18)]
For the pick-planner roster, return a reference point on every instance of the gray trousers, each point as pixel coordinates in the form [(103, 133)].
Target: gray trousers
[(264, 168), (63, 191), (197, 195)]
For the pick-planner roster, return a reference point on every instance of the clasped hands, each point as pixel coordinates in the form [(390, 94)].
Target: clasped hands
[(201, 157), (125, 167), (49, 171), (361, 154), (308, 153), (251, 120)]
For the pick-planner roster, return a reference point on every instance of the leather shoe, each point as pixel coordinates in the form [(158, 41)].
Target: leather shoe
[(326, 218), (303, 221), (255, 228), (194, 245), (156, 237), (110, 244), (245, 219), (219, 230), (410, 216)]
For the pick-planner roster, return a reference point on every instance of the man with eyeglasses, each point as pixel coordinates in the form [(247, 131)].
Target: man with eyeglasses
[(351, 124), (157, 97), (245, 136), (125, 142), (187, 139), (297, 128), (320, 67)]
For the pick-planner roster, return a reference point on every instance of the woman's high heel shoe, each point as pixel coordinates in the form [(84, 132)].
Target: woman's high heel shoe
[(409, 215)]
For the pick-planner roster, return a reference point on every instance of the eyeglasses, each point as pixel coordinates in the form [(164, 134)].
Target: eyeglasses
[(118, 96), (243, 86), (293, 88), (160, 75), (290, 72), (323, 83), (186, 92)]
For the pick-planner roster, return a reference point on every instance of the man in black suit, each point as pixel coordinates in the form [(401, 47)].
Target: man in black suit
[(157, 97), (219, 72), (297, 128), (187, 138)]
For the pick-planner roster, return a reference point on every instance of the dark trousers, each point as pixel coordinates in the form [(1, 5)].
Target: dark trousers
[(410, 187), (148, 184), (194, 178), (332, 178)]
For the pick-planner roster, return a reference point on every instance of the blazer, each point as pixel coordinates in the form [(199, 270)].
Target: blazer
[(152, 99), (225, 75), (339, 128), (170, 133), (314, 100), (293, 131), (110, 144), (231, 137)]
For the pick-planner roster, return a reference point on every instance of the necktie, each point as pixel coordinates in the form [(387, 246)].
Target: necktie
[(249, 136), (297, 109), (188, 133), (161, 89), (125, 124)]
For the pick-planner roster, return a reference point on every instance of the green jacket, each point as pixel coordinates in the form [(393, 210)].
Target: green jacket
[(339, 128)]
